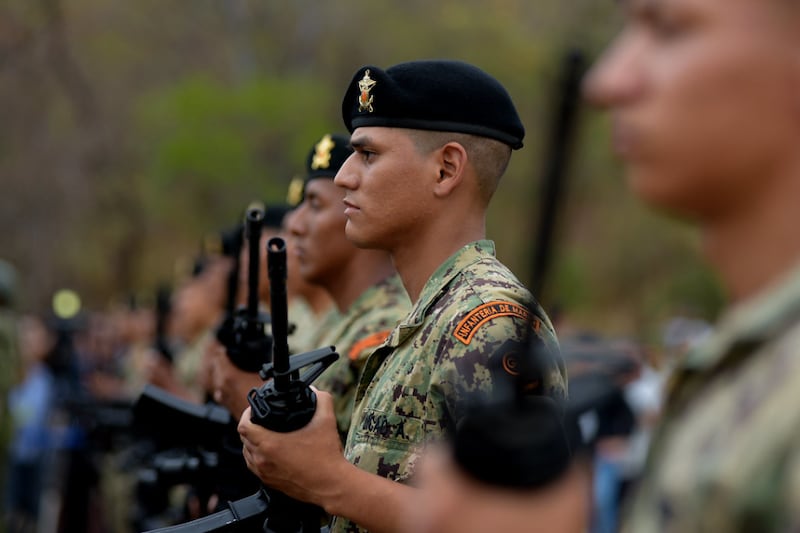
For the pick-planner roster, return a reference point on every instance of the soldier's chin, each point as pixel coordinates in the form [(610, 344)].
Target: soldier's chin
[(356, 237), (661, 192)]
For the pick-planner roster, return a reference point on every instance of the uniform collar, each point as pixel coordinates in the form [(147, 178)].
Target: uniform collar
[(438, 282), (751, 322)]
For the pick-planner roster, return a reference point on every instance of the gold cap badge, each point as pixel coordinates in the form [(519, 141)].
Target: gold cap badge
[(295, 194), (322, 153), (365, 85)]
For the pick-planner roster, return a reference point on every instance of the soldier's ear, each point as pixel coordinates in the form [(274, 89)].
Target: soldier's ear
[(452, 165)]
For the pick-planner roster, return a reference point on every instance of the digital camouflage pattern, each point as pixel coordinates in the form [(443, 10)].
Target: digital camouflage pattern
[(307, 326), (361, 329), (726, 456), (415, 388)]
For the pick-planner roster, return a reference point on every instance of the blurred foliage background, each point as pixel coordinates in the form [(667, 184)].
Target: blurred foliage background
[(131, 129)]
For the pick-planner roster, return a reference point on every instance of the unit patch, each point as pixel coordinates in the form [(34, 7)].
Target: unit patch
[(469, 325)]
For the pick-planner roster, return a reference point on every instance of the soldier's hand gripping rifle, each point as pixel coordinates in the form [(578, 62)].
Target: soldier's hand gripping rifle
[(284, 403)]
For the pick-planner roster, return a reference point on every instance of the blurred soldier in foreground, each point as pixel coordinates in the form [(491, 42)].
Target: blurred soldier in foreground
[(511, 468), (705, 104), (363, 283)]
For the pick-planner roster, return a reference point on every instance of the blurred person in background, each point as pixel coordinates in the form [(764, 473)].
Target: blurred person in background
[(703, 97), (10, 364), (31, 403)]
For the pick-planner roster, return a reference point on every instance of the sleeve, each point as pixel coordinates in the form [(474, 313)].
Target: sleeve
[(490, 346)]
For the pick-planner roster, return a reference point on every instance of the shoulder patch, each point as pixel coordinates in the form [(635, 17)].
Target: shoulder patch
[(370, 341), (469, 325)]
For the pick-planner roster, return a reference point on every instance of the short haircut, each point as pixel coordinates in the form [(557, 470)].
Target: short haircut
[(488, 157)]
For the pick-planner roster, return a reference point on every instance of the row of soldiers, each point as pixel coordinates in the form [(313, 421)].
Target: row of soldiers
[(704, 100), (427, 324)]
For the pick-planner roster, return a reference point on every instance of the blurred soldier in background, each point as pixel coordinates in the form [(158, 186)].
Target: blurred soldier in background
[(704, 98), (364, 284), (230, 384), (311, 308), (197, 307)]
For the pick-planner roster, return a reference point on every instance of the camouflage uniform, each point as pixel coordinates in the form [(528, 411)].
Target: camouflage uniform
[(365, 326), (307, 325), (188, 362), (413, 388), (727, 454)]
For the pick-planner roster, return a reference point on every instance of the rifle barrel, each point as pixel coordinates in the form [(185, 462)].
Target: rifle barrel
[(255, 219), (276, 262)]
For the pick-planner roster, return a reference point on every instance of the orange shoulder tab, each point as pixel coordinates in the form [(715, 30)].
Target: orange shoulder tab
[(370, 341)]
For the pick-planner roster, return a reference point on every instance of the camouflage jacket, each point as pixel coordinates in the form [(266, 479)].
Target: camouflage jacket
[(306, 325), (726, 456), (361, 329), (414, 388)]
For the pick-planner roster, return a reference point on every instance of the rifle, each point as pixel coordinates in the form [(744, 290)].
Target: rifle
[(243, 333), (553, 185), (285, 402), (163, 310)]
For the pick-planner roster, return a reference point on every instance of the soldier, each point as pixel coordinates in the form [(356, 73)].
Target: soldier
[(364, 284), (431, 140), (704, 100), (197, 306)]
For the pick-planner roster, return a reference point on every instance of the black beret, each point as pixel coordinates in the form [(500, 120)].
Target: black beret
[(327, 156), (324, 160), (439, 95), (232, 239), (274, 215)]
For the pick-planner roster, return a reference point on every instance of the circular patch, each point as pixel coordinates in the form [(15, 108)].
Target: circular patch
[(511, 364)]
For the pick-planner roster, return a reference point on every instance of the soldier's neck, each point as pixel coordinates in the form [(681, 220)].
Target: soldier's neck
[(754, 249)]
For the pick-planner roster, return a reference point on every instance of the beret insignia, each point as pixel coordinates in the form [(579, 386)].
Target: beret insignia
[(294, 195), (322, 153), (327, 156), (365, 85)]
